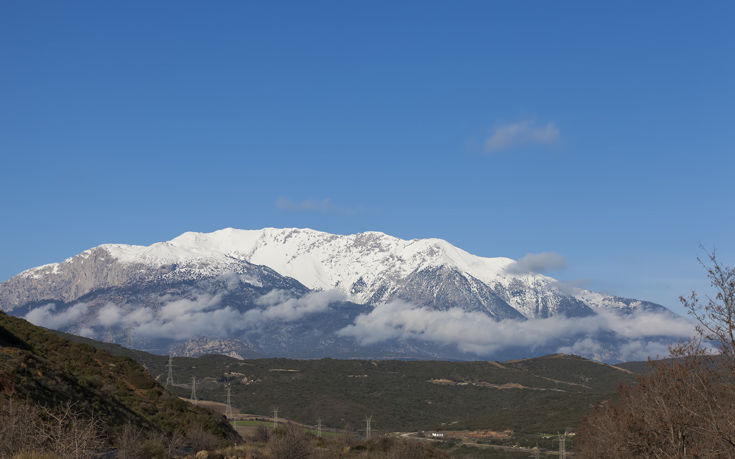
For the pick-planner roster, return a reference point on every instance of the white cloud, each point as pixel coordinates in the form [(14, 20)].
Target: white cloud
[(538, 263), (109, 315), (477, 333), (281, 307), (523, 133), (45, 316), (183, 318), (183, 306)]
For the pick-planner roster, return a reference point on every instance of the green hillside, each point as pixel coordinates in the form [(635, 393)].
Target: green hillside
[(38, 366), (545, 394)]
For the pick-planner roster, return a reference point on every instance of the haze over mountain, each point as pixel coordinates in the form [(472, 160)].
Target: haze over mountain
[(305, 293)]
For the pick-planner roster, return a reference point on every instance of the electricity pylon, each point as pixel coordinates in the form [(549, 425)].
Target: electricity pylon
[(170, 377), (319, 428), (228, 413), (194, 389), (368, 420), (275, 417)]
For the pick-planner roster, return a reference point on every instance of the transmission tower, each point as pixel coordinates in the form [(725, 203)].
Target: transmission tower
[(129, 338), (194, 389), (108, 337), (228, 413), (319, 428), (170, 377), (275, 417), (368, 420), (562, 446)]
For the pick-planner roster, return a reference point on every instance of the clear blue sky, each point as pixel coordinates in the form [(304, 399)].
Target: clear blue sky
[(603, 132)]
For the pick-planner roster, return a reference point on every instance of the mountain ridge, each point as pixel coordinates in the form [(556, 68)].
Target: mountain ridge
[(308, 294), (372, 267)]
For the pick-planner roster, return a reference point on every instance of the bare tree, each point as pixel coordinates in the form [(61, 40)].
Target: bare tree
[(716, 315), (69, 434), (685, 406)]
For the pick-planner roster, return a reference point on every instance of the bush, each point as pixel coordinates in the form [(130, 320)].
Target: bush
[(289, 442), (200, 439), (260, 435), (153, 449)]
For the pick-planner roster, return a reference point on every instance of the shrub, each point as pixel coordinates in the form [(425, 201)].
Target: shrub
[(289, 442)]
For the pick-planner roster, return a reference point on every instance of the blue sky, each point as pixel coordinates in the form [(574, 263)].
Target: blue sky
[(602, 132)]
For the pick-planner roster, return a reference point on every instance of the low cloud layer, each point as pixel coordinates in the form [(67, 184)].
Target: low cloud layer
[(184, 318), (607, 336), (523, 133), (46, 315), (477, 333), (538, 263)]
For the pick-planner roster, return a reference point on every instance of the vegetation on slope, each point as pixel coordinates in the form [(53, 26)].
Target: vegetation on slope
[(40, 367), (545, 394)]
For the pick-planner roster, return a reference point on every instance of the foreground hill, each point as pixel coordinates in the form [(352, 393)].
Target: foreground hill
[(38, 366)]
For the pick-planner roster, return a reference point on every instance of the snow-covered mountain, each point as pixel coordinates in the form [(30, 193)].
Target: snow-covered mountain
[(372, 267), (308, 287)]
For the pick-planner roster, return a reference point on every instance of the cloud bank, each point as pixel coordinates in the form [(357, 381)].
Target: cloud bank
[(46, 315), (523, 133), (477, 333), (606, 336), (185, 318)]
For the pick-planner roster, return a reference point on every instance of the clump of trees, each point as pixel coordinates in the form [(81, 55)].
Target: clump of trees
[(684, 406)]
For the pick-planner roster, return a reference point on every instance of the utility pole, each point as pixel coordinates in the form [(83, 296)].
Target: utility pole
[(228, 413), (170, 377), (319, 428), (368, 420), (194, 389), (562, 446), (275, 417)]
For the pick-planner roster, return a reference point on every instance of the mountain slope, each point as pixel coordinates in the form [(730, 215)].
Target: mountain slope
[(39, 366)]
